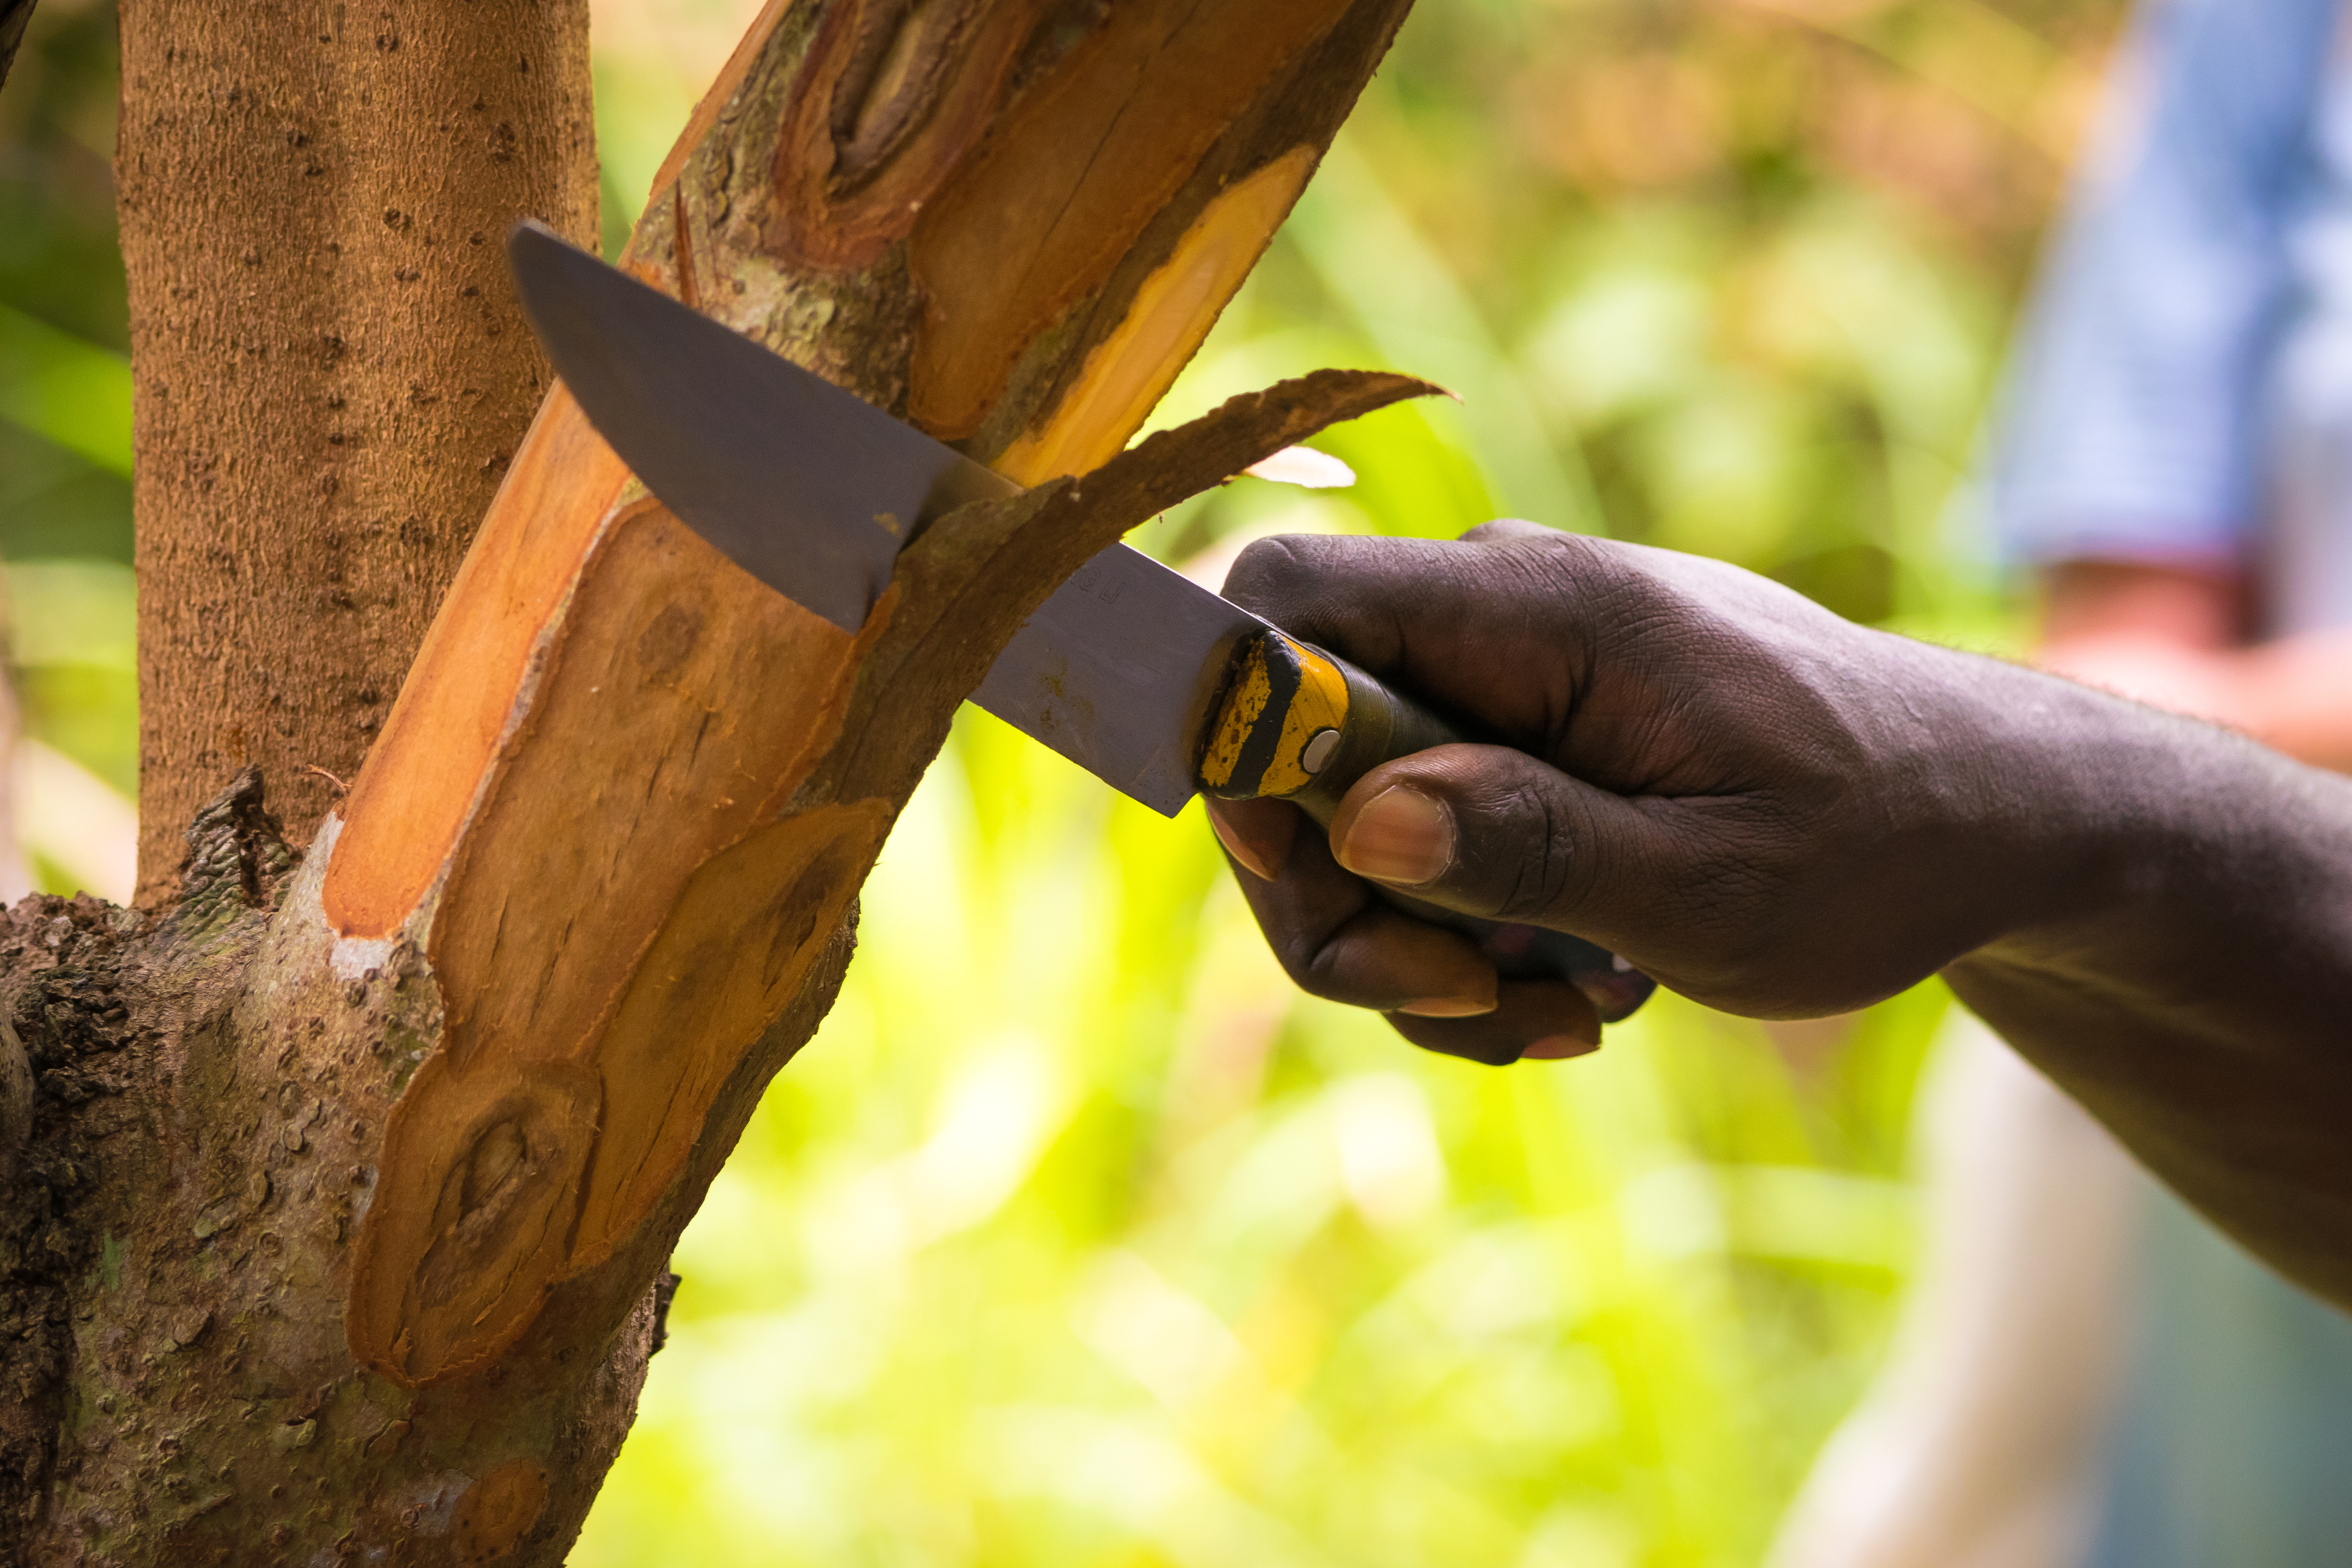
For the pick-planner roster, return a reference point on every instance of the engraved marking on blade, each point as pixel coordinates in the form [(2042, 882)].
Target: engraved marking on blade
[(1092, 579), (1062, 709), (889, 521)]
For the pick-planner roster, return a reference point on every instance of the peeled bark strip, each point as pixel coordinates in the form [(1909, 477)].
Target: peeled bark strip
[(333, 372), (351, 1177)]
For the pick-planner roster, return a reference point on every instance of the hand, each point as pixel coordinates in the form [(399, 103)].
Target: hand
[(1763, 806)]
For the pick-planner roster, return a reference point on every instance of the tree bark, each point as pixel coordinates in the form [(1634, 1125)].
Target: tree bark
[(349, 1176), (331, 370), (15, 14)]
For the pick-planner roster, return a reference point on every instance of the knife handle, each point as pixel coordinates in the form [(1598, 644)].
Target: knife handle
[(1298, 723)]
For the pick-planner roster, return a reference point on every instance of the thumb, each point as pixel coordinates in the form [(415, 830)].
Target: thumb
[(1494, 832)]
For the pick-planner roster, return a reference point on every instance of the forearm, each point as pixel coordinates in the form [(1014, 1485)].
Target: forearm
[(2180, 958), (1777, 813)]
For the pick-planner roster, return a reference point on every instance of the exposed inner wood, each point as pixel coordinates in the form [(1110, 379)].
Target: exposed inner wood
[(628, 794), (621, 910), (1125, 376), (479, 1192), (1073, 176), (460, 699), (708, 697), (774, 898)]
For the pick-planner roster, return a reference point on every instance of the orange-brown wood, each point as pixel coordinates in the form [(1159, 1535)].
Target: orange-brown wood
[(676, 701), (896, 96), (1070, 180), (628, 794), (405, 807), (736, 948), (1128, 373)]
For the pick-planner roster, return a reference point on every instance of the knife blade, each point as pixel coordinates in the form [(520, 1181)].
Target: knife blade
[(1152, 683), (703, 406)]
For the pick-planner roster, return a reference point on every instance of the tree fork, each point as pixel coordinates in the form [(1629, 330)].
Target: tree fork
[(356, 1168)]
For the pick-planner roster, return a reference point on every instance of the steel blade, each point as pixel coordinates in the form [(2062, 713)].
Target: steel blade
[(800, 483), (1117, 671), (809, 488)]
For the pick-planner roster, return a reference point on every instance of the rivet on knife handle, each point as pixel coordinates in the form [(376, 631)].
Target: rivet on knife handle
[(1300, 724)]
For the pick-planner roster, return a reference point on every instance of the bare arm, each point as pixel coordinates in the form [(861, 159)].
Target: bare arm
[(1780, 813)]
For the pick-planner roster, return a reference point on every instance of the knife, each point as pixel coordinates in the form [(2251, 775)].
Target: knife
[(1149, 681)]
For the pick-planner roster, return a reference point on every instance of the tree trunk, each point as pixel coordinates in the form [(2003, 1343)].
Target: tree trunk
[(345, 1184), (333, 372)]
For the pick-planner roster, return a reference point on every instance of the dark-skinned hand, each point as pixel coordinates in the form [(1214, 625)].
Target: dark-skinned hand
[(1778, 812), (1718, 780)]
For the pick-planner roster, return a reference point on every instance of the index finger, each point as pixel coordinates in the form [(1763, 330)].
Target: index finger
[(1337, 939)]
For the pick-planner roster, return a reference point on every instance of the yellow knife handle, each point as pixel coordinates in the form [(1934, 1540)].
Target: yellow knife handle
[(1300, 724)]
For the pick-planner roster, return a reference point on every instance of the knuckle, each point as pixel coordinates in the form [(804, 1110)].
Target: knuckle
[(1543, 880), (1312, 965), (1535, 860), (1502, 529), (1271, 572)]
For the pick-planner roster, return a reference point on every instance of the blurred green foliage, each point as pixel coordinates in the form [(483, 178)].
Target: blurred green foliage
[(65, 401), (1076, 1236)]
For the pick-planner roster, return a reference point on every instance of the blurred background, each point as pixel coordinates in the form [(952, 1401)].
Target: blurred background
[(1076, 1236)]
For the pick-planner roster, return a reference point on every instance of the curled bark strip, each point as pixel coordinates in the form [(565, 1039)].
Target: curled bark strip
[(963, 589)]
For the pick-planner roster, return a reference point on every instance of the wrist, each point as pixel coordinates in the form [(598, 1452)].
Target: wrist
[(2069, 803), (2109, 828)]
